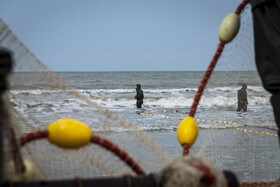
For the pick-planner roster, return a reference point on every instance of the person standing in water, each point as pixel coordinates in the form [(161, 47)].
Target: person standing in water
[(139, 96), (242, 100)]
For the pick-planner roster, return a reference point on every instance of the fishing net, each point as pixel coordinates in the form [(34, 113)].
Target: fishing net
[(250, 150), (49, 161)]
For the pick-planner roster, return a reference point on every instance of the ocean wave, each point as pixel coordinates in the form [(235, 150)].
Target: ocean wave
[(167, 102), (171, 102), (165, 98), (255, 89)]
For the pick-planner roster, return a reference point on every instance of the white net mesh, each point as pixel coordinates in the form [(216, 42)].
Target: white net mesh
[(50, 162), (245, 142), (230, 140)]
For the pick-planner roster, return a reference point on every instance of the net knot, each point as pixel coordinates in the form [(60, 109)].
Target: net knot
[(208, 178), (192, 171)]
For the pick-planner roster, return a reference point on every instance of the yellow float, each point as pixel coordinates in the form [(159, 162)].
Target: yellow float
[(187, 131), (93, 96), (69, 133)]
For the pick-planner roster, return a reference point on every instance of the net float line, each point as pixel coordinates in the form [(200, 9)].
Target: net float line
[(104, 143), (212, 66), (110, 146), (236, 126), (187, 130), (256, 132)]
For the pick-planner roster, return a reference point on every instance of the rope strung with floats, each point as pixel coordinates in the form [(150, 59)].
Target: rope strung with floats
[(70, 133), (236, 126), (215, 59), (187, 130)]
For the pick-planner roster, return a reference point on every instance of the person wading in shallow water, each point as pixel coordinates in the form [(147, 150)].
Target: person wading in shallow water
[(139, 96), (242, 101)]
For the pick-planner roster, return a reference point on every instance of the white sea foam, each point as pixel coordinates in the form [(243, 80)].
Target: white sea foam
[(118, 96), (158, 97)]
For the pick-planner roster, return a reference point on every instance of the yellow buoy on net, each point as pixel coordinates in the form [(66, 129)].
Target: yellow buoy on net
[(69, 133), (229, 27), (187, 131)]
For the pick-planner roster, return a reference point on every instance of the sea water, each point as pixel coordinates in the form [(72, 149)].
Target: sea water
[(168, 97), (171, 91)]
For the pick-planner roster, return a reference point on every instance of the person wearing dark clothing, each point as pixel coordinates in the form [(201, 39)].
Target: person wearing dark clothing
[(266, 19), (139, 96), (242, 98)]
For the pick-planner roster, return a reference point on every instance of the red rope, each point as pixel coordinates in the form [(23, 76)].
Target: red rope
[(186, 150), (241, 6), (118, 152), (211, 67), (205, 79), (32, 136), (208, 178), (261, 183), (95, 139)]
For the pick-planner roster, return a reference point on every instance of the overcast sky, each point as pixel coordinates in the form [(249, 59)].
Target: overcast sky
[(119, 35)]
